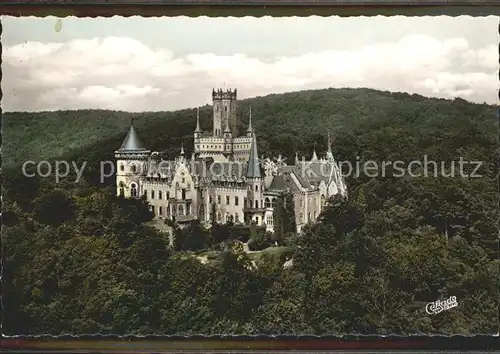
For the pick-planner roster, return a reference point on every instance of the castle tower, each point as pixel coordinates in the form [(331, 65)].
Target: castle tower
[(254, 210), (224, 109), (131, 165)]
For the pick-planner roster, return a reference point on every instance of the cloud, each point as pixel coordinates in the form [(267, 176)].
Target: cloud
[(125, 74)]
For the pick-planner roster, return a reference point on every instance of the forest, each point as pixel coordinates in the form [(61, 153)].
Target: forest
[(79, 260)]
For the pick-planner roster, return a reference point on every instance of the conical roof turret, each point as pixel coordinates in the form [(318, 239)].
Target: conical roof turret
[(132, 143)]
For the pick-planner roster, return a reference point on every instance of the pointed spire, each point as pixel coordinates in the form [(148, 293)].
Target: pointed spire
[(296, 158), (315, 156), (329, 154), (253, 169), (250, 128), (132, 141), (182, 148), (198, 129)]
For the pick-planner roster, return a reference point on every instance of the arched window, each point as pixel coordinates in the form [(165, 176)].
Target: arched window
[(256, 204), (181, 209), (122, 189), (274, 203), (267, 203), (218, 216), (256, 188), (122, 168), (133, 168), (133, 190)]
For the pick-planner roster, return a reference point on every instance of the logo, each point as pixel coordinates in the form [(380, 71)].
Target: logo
[(433, 308)]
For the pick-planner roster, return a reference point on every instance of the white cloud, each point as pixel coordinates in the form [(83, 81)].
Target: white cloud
[(123, 73)]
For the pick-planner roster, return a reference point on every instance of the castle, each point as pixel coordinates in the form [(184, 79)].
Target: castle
[(225, 178)]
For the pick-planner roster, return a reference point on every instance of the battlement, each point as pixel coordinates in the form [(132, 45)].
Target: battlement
[(220, 94)]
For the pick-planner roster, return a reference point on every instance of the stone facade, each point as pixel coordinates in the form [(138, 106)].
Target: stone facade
[(224, 178)]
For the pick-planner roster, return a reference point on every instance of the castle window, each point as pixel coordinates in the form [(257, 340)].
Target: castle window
[(183, 194), (245, 201), (269, 220), (210, 199), (152, 194), (159, 195), (122, 168), (168, 195), (236, 201), (257, 188), (301, 202), (236, 218), (181, 209), (122, 191), (256, 204), (153, 209), (160, 211), (145, 193), (218, 216), (183, 180), (227, 200), (218, 199), (273, 203), (267, 203)]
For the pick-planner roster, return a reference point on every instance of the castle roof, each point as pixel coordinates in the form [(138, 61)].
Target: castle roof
[(132, 143)]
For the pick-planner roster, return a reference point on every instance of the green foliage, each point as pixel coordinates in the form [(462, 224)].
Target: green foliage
[(79, 260)]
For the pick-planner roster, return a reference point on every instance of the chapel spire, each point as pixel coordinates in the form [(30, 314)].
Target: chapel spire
[(253, 170)]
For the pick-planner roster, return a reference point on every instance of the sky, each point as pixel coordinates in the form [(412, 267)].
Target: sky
[(168, 63)]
